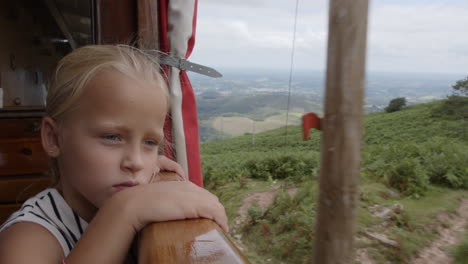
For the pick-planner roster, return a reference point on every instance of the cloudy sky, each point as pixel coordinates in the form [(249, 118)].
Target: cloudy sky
[(403, 35)]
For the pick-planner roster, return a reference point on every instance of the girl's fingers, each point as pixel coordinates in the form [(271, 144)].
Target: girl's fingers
[(211, 208), (167, 164), (206, 205), (222, 220), (188, 200)]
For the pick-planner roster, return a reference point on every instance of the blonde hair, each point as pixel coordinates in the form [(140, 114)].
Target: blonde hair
[(77, 69)]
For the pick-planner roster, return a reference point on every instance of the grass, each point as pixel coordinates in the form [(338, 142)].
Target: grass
[(414, 228), (284, 239), (422, 220), (460, 252), (284, 231), (436, 199), (414, 123)]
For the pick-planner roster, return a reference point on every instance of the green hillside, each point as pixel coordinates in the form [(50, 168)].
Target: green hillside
[(414, 158), (414, 123)]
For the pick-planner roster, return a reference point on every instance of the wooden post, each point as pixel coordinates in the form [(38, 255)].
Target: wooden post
[(148, 24), (342, 129), (115, 21)]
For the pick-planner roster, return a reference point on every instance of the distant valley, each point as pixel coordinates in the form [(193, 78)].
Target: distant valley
[(255, 101)]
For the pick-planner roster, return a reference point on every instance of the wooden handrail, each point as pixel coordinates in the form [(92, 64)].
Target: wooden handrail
[(199, 241), (187, 241)]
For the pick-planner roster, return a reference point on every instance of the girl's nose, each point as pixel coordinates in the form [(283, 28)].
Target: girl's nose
[(133, 159)]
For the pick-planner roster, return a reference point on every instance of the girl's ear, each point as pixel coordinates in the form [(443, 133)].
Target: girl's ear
[(50, 136)]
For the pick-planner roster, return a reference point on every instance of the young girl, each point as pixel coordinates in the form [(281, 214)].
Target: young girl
[(105, 114)]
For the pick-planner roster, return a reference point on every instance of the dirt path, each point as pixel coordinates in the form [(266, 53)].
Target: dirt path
[(263, 200), (436, 253), (362, 257)]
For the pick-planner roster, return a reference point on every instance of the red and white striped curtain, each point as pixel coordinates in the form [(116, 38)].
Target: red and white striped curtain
[(177, 21)]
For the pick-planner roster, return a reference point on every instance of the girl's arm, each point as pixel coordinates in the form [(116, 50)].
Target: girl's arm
[(108, 236), (26, 243)]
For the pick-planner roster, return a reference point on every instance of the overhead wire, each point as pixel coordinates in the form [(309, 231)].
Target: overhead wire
[(291, 71)]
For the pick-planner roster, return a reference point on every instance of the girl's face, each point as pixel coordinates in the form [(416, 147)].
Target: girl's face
[(110, 142)]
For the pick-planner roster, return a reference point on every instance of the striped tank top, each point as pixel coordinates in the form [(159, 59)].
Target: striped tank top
[(49, 209)]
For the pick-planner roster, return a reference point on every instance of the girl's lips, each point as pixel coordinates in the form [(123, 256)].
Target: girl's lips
[(125, 185)]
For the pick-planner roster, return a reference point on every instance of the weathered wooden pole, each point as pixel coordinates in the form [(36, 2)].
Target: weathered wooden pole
[(147, 17), (342, 129)]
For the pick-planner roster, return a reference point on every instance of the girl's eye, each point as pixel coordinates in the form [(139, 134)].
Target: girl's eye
[(151, 143), (111, 137)]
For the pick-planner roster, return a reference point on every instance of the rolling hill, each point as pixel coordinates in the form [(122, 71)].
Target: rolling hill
[(413, 160)]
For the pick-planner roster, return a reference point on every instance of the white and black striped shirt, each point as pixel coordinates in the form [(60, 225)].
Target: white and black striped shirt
[(49, 209)]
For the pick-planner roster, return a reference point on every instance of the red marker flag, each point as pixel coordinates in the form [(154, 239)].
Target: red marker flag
[(309, 120)]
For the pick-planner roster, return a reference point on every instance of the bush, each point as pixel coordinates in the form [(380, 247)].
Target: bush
[(255, 214), (454, 108), (456, 105), (410, 167), (407, 176), (399, 167), (285, 230), (221, 173), (395, 104), (445, 162), (282, 166)]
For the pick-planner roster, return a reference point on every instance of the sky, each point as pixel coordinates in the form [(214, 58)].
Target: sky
[(403, 35)]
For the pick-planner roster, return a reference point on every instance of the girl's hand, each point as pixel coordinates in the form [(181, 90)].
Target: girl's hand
[(166, 164), (172, 200)]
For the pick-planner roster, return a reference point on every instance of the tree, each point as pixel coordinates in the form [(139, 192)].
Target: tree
[(456, 105), (395, 104), (461, 86)]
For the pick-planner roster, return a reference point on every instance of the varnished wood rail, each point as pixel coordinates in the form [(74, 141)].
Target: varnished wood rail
[(199, 241)]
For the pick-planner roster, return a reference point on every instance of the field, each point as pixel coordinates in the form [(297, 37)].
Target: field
[(239, 125), (413, 179)]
